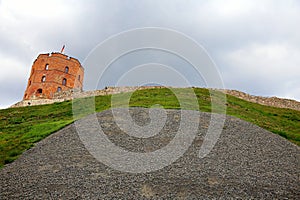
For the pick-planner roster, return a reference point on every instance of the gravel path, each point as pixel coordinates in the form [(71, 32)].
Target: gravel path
[(247, 162)]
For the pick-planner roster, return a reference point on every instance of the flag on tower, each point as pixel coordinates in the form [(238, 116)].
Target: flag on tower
[(62, 49)]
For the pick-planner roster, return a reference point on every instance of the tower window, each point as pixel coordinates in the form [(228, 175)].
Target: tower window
[(58, 89), (64, 81), (46, 66), (66, 69), (43, 79), (40, 91), (79, 77)]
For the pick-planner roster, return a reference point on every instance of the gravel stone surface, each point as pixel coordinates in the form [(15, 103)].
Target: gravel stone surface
[(247, 162)]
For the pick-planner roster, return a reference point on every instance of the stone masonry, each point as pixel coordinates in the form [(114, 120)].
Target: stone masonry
[(73, 93), (267, 101)]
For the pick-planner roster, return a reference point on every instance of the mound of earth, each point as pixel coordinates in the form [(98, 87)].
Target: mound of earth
[(246, 162)]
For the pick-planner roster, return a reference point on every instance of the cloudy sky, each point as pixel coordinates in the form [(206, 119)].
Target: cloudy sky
[(254, 43)]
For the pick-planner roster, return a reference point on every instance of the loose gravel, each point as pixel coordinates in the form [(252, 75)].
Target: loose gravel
[(247, 162)]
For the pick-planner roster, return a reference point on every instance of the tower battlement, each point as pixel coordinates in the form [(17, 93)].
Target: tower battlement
[(51, 73)]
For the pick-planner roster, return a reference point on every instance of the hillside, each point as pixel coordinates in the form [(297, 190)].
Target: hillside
[(21, 127), (247, 161)]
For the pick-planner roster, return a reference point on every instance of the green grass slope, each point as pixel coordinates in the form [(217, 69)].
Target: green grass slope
[(21, 127)]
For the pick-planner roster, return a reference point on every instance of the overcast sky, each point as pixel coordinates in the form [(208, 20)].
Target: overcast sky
[(254, 43)]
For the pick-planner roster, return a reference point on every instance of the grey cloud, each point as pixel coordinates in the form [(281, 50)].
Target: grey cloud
[(222, 27)]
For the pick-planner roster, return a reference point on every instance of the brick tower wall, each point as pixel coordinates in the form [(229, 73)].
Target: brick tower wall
[(55, 68)]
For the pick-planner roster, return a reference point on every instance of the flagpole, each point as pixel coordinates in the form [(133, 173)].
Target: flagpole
[(62, 49)]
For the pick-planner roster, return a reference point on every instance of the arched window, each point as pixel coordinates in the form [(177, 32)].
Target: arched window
[(58, 89), (79, 77), (43, 79), (40, 91), (46, 66), (66, 69), (29, 83), (64, 81)]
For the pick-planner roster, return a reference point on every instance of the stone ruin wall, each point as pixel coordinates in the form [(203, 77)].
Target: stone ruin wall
[(268, 101), (68, 95)]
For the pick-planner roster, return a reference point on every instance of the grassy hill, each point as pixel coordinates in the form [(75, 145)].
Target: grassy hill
[(21, 127)]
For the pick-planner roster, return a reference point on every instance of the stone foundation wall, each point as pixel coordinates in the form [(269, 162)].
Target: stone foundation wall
[(36, 102)]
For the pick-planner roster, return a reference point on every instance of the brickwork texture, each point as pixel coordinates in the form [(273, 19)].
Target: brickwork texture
[(51, 73)]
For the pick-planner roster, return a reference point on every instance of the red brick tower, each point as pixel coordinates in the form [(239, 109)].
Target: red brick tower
[(52, 73)]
